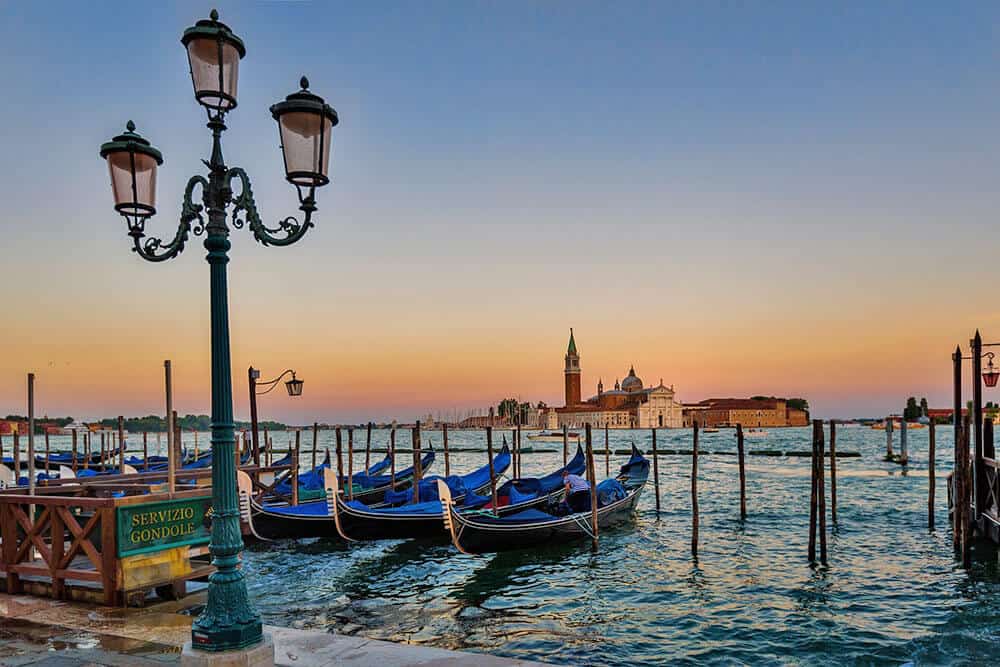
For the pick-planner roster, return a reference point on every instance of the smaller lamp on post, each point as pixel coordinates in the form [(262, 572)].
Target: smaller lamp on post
[(990, 374), (132, 163), (294, 386), (214, 54)]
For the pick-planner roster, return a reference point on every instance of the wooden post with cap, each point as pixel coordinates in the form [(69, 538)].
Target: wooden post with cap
[(694, 493)]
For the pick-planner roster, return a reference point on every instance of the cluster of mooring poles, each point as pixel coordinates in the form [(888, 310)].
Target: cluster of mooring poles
[(974, 488)]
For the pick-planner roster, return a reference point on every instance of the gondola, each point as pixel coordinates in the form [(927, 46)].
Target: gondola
[(355, 521), (250, 507), (486, 533), (318, 518), (311, 483), (94, 458)]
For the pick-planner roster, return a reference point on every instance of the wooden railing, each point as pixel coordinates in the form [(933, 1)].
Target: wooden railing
[(66, 535)]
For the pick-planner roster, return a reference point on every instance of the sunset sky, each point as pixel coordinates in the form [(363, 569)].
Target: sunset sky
[(778, 198)]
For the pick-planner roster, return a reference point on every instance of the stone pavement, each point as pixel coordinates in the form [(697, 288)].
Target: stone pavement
[(39, 631)]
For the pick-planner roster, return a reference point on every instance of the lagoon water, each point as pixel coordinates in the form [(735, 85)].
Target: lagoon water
[(892, 593)]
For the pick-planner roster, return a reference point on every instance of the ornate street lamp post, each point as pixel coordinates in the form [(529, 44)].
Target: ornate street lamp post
[(305, 121)]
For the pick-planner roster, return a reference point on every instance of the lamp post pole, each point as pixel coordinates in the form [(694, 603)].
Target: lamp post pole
[(229, 620)]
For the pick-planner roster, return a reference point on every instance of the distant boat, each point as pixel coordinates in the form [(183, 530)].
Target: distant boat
[(709, 430), (553, 436), (756, 433)]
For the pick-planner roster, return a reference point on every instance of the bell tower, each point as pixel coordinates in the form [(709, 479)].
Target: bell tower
[(572, 373)]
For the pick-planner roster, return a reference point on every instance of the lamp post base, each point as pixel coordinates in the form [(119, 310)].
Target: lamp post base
[(258, 655)]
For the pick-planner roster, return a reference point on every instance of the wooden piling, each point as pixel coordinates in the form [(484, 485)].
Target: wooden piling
[(103, 436), (592, 478), (145, 451), (565, 445), (518, 433), (821, 491), (904, 456), (812, 494), (694, 492), (86, 450), (743, 473), (930, 475), (315, 443), (74, 450), (16, 456), (418, 472), (607, 452), (1, 445), (295, 469), (121, 444), (267, 447), (833, 470), (493, 473), (340, 460), (47, 451), (656, 473), (989, 447), (447, 461), (392, 457), (368, 448), (888, 438), (516, 459), (967, 489), (350, 463)]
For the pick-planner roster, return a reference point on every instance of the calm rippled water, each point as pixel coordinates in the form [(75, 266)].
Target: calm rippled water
[(892, 592)]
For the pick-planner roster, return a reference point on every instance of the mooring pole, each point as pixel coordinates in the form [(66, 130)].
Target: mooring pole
[(821, 491), (315, 443), (295, 468), (31, 442), (350, 463), (888, 438), (74, 450), (978, 487), (833, 470), (694, 492), (121, 444), (956, 359), (340, 460), (447, 462), (392, 456), (592, 475), (656, 473), (368, 448), (743, 472), (813, 496), (966, 498), (565, 446), (418, 473), (493, 474), (930, 474), (145, 451), (607, 452), (47, 450), (903, 449)]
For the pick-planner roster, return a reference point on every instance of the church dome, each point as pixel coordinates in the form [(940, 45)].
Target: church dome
[(632, 383)]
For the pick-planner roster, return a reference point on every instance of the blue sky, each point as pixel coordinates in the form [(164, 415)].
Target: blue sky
[(623, 166)]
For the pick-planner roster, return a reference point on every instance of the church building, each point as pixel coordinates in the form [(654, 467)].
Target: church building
[(628, 405)]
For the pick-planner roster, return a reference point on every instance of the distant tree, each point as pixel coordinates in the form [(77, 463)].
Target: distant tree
[(912, 410), (923, 406), (797, 404)]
